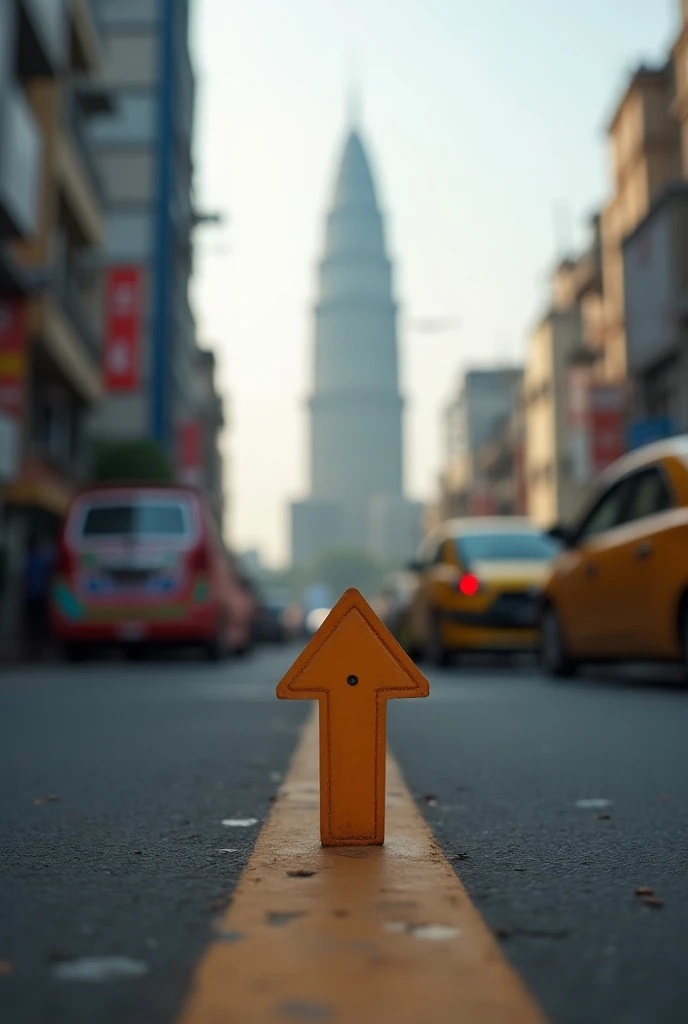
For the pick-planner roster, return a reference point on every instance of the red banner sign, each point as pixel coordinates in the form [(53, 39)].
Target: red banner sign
[(122, 343), (607, 439), (12, 356)]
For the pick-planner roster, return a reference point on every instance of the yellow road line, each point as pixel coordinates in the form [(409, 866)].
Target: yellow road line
[(352, 935)]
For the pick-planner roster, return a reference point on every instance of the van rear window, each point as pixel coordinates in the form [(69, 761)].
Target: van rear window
[(136, 519)]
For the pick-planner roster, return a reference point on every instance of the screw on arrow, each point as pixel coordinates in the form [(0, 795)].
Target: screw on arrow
[(353, 734)]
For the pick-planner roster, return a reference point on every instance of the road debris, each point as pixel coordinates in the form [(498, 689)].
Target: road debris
[(100, 968), (647, 897), (239, 822)]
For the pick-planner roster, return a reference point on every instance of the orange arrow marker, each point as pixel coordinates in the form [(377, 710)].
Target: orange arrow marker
[(352, 666)]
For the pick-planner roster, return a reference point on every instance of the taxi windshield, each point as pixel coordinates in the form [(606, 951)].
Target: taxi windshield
[(506, 547)]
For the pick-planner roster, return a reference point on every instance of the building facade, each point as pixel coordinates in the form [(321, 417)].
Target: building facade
[(143, 155), (356, 454), (574, 417), (200, 460), (51, 226), (644, 144), (655, 259), (553, 488), (485, 401)]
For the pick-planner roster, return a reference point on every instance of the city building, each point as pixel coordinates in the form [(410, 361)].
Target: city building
[(656, 288), (574, 417), (501, 464), (356, 457), (51, 225), (644, 143), (656, 274), (680, 62), (200, 460), (143, 155), (553, 488), (600, 374), (485, 400)]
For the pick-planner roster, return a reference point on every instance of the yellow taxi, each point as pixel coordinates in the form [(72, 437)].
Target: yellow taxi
[(619, 589), (479, 587)]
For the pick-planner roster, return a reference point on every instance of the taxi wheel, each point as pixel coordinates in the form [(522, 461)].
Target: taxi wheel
[(684, 640), (555, 658)]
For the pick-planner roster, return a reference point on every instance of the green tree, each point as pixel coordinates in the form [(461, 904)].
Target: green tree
[(142, 460)]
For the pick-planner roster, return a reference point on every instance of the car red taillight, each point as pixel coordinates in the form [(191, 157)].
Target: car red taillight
[(469, 585)]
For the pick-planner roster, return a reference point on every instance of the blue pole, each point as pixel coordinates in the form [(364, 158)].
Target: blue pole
[(161, 339)]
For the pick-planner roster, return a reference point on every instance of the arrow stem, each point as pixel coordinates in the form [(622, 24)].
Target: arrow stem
[(353, 740)]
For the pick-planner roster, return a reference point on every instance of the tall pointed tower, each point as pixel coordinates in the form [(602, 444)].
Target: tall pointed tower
[(355, 410)]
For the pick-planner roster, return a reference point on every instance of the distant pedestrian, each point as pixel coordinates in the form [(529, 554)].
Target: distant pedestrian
[(37, 574)]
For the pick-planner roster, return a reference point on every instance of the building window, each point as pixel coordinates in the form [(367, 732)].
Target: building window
[(130, 235), (133, 121), (128, 12)]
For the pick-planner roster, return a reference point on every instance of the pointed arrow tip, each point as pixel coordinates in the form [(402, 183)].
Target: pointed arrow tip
[(351, 601)]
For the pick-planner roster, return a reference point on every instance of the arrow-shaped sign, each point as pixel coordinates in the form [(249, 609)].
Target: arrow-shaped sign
[(352, 666)]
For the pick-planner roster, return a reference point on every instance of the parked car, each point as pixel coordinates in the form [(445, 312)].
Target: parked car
[(272, 626), (146, 564), (395, 600), (479, 585), (619, 589)]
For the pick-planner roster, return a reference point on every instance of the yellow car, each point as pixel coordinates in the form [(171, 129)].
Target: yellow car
[(619, 589), (479, 587)]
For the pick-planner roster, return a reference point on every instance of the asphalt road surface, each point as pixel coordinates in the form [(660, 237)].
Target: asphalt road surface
[(555, 802)]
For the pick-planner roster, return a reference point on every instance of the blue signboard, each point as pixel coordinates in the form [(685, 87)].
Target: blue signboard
[(645, 432)]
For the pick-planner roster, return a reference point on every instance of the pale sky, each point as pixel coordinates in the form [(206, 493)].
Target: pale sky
[(481, 117)]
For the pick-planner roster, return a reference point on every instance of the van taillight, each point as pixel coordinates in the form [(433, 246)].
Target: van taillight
[(199, 560)]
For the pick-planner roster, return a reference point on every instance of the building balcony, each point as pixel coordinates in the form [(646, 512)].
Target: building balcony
[(21, 147), (84, 38), (40, 484), (75, 168), (58, 327), (42, 38), (76, 307)]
